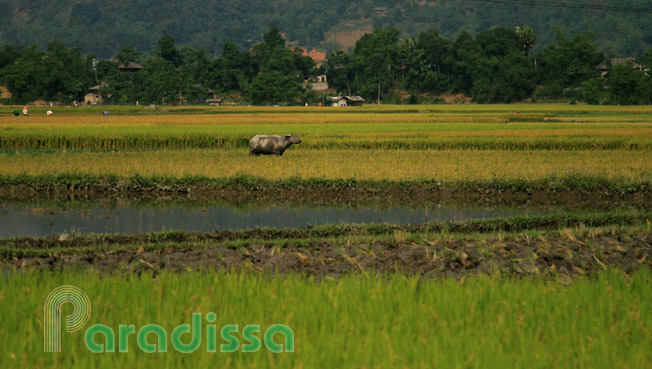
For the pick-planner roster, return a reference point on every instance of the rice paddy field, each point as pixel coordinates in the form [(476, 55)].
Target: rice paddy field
[(566, 283)]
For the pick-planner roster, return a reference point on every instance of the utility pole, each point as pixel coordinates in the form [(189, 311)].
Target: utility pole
[(378, 90), (99, 88)]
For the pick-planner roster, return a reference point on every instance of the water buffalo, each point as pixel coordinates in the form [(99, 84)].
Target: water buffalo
[(275, 144)]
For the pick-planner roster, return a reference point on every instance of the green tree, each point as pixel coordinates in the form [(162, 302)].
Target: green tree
[(273, 87), (305, 65), (10, 54), (340, 71), (498, 41), (569, 62), (439, 57), (527, 38), (376, 62), (592, 91), (626, 86), (168, 51), (513, 80), (70, 75), (468, 56), (127, 55), (233, 71), (281, 71), (646, 59), (272, 43), (412, 65), (28, 78), (60, 74), (273, 39)]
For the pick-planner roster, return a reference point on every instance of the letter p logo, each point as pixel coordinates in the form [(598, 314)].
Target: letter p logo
[(52, 314)]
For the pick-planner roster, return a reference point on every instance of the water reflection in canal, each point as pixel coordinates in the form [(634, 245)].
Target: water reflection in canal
[(31, 220)]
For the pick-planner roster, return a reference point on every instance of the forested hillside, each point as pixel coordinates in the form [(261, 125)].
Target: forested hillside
[(104, 27)]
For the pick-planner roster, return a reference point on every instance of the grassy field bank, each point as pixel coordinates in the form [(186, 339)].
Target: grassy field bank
[(387, 322)]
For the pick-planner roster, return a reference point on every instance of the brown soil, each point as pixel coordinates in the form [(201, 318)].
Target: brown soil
[(4, 93), (348, 38), (456, 98), (555, 254), (317, 55), (408, 196)]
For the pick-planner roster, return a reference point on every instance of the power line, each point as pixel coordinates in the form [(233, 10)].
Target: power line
[(567, 5)]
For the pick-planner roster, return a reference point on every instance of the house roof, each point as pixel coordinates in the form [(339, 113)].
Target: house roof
[(616, 61), (97, 88), (131, 65), (350, 98)]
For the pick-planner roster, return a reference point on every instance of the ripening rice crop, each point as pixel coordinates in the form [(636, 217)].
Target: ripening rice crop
[(333, 164), (399, 142), (326, 131)]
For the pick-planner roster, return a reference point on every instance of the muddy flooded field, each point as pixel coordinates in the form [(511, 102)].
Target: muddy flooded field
[(325, 233), (563, 254), (553, 244), (38, 220)]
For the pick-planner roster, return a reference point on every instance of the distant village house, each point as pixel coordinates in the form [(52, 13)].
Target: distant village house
[(319, 79), (346, 101), (94, 97), (605, 67), (131, 67), (214, 102), (317, 83), (380, 10)]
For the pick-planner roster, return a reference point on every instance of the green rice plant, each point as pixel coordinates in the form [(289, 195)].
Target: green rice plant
[(357, 321)]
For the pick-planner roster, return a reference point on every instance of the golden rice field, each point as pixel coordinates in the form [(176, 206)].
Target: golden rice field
[(469, 142), (448, 165)]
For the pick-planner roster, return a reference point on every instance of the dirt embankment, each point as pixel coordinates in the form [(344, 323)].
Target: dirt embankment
[(307, 194), (550, 255)]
